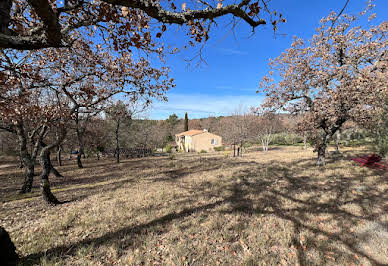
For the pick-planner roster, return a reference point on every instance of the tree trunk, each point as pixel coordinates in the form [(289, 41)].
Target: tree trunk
[(336, 142), (71, 153), (59, 155), (265, 145), (21, 164), (347, 141), (44, 160), (25, 156), (28, 178), (321, 149), (79, 154), (321, 155), (80, 142), (117, 142), (5, 16), (55, 172), (304, 140), (8, 255)]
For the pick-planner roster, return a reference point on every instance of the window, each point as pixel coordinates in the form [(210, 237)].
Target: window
[(214, 142)]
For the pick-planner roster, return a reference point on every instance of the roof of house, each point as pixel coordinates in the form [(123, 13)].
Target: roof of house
[(191, 132)]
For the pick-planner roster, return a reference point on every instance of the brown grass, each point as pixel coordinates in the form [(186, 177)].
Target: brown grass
[(275, 208)]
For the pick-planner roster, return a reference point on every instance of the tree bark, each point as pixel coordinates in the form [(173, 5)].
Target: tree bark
[(321, 149), (79, 154), (304, 140), (26, 158), (117, 141), (264, 147), (45, 162), (21, 164), (348, 137), (55, 171), (28, 178), (5, 17), (48, 196), (321, 155), (336, 142), (80, 141), (59, 155)]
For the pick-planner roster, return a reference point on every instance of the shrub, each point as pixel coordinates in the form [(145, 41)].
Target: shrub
[(203, 151), (168, 148), (220, 148), (286, 139), (100, 148), (292, 139)]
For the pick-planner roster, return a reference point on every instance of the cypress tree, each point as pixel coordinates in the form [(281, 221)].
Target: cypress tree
[(186, 122)]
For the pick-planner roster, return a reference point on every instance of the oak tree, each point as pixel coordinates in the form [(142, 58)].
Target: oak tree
[(332, 78)]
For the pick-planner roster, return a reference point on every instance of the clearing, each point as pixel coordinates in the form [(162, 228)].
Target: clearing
[(207, 209)]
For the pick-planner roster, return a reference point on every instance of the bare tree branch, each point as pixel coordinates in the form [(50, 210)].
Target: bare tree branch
[(55, 34)]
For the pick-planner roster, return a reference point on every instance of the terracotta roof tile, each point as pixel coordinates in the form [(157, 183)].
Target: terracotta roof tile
[(191, 132)]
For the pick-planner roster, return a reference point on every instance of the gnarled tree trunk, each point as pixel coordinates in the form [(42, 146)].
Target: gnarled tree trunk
[(27, 158), (55, 171), (327, 134), (321, 154), (321, 147), (44, 160), (28, 178)]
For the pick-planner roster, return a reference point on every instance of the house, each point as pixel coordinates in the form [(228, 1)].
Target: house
[(197, 140)]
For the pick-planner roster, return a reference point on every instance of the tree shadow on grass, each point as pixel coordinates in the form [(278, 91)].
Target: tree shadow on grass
[(131, 231), (282, 190)]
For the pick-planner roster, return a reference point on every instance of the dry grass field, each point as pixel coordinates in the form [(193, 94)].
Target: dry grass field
[(209, 209)]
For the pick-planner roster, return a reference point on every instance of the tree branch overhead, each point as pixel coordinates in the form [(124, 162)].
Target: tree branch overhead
[(51, 25)]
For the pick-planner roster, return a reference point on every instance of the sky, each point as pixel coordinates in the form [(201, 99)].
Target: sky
[(235, 63)]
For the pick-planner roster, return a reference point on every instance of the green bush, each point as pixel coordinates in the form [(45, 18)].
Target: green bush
[(292, 139), (203, 151), (286, 139), (382, 145), (168, 148), (220, 148)]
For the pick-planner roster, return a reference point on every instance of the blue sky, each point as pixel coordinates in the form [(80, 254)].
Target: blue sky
[(235, 63)]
